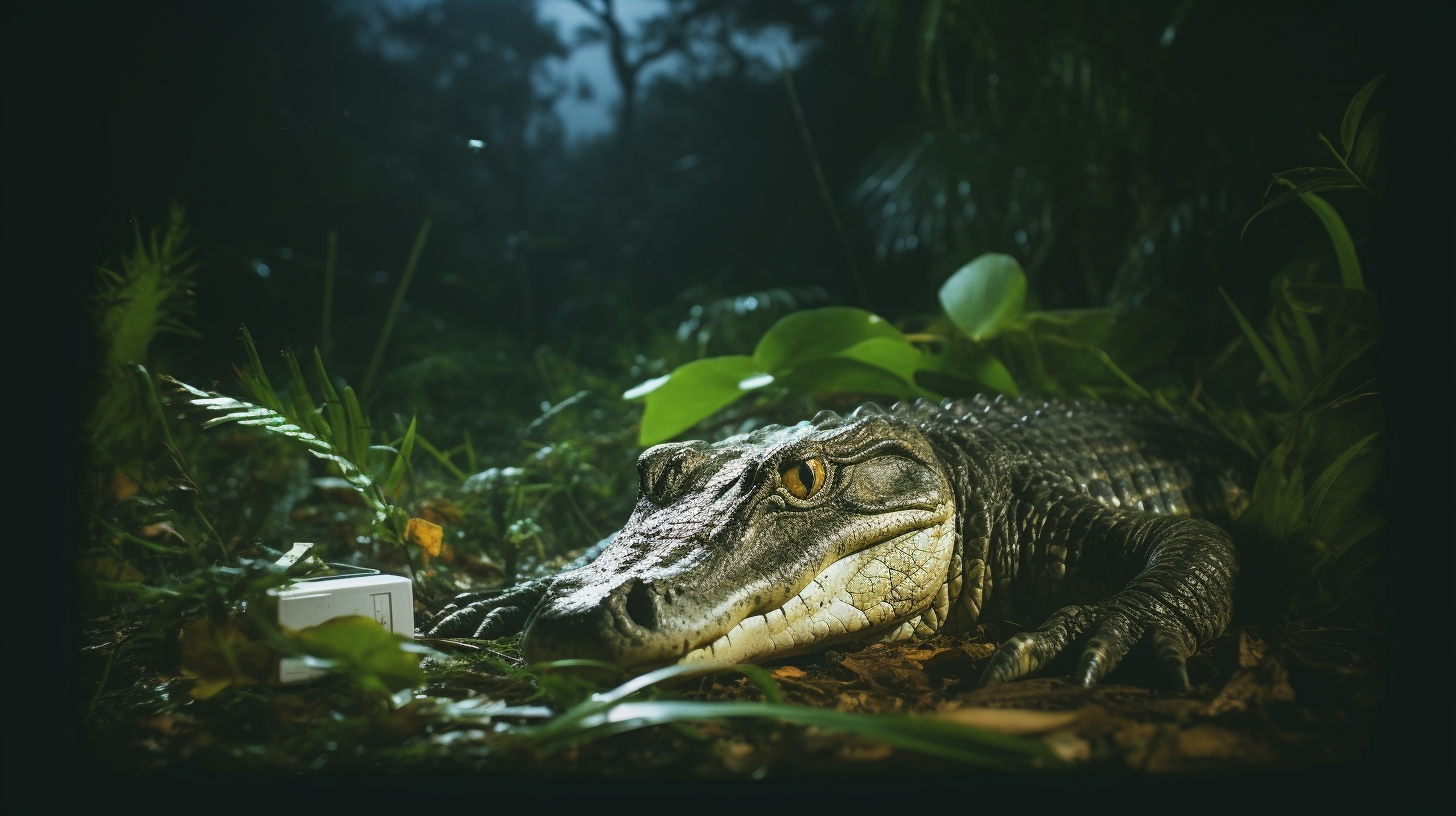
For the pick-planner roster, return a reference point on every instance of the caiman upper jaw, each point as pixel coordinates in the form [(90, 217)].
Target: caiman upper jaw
[(896, 580)]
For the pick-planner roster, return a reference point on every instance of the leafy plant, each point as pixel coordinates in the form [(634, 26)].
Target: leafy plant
[(1355, 160), (149, 294), (839, 349), (333, 429), (1324, 456)]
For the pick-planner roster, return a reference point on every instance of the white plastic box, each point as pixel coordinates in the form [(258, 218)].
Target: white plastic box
[(388, 599)]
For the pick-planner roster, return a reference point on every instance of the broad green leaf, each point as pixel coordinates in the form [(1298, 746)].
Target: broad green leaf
[(362, 649), (1356, 528), (693, 392), (1355, 549), (1356, 307), (816, 333), (1350, 124), (1342, 485), (969, 367), (1277, 505), (839, 375), (646, 387), (1349, 262), (893, 354), (982, 372), (985, 296)]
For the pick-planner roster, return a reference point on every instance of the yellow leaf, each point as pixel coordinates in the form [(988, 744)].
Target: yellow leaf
[(789, 673), (426, 535), (1009, 720), (122, 486)]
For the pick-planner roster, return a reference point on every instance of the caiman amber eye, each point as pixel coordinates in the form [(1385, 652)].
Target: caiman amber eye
[(803, 477)]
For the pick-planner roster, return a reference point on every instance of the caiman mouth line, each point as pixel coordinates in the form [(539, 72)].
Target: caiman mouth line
[(883, 586)]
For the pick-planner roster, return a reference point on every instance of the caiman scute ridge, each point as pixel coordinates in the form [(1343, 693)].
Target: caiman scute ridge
[(1104, 523)]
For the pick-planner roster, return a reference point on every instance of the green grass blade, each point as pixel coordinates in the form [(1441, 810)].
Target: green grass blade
[(1285, 350), (607, 713), (255, 379), (1349, 262), (395, 304), (305, 410), (356, 430), (1362, 162), (1271, 366), (1331, 178), (442, 457), (1313, 354), (401, 462), (333, 408), (948, 740), (929, 27)]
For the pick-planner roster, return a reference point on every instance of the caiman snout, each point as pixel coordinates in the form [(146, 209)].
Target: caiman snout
[(628, 627)]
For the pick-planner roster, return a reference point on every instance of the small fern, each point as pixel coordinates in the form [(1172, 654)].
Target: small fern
[(333, 429), (149, 294)]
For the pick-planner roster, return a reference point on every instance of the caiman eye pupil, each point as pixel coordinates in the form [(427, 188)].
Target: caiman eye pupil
[(803, 478)]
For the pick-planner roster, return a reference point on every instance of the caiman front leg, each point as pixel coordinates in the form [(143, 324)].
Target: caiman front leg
[(1070, 547), (487, 615), (497, 613)]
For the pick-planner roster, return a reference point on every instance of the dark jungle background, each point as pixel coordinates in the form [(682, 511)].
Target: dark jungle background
[(582, 226)]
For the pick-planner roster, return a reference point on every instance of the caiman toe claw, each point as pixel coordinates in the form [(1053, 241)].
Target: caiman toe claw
[(1026, 653), (1106, 647), (1113, 628), (1172, 653)]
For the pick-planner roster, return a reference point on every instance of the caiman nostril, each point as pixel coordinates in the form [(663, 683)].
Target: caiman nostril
[(640, 605)]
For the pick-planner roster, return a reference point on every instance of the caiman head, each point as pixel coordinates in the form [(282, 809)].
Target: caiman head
[(773, 543)]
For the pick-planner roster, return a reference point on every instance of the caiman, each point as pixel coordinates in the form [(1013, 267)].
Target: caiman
[(1105, 524)]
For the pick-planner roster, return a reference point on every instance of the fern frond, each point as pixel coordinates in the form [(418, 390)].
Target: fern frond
[(245, 413)]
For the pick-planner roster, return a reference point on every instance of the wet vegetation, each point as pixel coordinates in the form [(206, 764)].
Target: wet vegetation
[(361, 289)]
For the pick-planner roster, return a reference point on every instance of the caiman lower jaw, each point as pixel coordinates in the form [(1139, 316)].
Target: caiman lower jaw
[(886, 591)]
